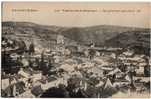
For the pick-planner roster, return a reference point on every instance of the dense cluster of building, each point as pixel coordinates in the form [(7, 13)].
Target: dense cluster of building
[(72, 71)]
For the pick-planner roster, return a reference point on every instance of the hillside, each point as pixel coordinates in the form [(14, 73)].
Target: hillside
[(102, 35), (29, 32), (98, 34)]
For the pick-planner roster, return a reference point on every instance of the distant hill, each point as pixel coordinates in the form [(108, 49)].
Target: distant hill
[(102, 35), (98, 34), (28, 32)]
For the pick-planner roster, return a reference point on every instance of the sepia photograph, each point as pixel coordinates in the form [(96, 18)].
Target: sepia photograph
[(75, 50)]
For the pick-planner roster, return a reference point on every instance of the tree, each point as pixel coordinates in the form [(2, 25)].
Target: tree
[(31, 48), (22, 47), (147, 71), (147, 67)]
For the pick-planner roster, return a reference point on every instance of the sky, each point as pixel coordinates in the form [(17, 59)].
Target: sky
[(71, 14)]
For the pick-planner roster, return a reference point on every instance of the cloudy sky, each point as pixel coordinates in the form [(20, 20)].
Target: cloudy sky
[(78, 14)]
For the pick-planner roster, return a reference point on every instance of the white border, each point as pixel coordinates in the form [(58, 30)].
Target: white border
[(78, 0), (63, 1)]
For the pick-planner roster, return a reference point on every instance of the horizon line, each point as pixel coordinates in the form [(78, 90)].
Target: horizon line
[(77, 26)]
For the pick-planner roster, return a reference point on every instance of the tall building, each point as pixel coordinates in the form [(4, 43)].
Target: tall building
[(60, 39), (60, 46)]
